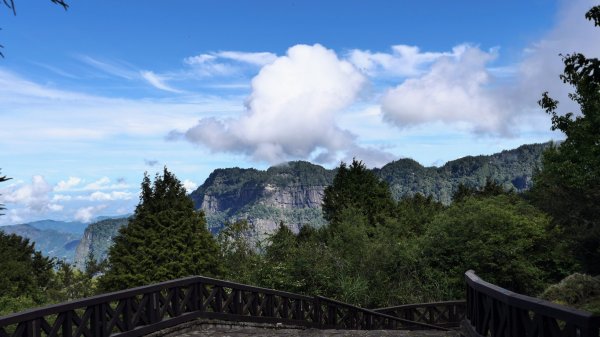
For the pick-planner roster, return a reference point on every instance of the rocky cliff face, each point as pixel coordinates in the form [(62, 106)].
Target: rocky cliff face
[(97, 239), (290, 193), (293, 193)]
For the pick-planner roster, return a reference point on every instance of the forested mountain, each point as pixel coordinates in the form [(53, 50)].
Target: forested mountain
[(49, 242), (97, 238), (74, 227), (293, 192), (513, 169)]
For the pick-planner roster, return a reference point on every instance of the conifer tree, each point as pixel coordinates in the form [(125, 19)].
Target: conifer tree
[(357, 187), (166, 239)]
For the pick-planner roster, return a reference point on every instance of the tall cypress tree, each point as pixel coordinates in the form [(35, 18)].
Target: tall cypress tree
[(166, 239)]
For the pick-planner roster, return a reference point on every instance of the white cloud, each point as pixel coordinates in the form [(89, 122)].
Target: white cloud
[(462, 89), (257, 59), (55, 207), (542, 64), (35, 196), (291, 110), (189, 185), (455, 90), (199, 59), (226, 63), (67, 185), (112, 68), (157, 81), (86, 214), (102, 196), (104, 183), (61, 197), (403, 61), (101, 183)]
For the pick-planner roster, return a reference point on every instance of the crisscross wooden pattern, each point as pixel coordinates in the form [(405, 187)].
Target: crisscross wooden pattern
[(494, 311), (139, 311)]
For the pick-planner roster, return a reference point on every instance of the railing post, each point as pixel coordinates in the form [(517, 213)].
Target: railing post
[(175, 302), (67, 325), (317, 312), (238, 304), (332, 315), (285, 303), (98, 323)]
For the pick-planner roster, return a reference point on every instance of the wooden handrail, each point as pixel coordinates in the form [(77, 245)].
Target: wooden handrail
[(499, 312), (143, 310)]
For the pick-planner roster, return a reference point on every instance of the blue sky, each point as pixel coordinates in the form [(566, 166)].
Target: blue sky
[(92, 97)]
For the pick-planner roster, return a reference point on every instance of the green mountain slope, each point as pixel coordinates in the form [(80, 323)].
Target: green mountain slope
[(293, 192), (97, 238), (50, 242)]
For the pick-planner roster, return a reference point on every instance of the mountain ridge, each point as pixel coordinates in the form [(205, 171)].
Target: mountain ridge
[(292, 193)]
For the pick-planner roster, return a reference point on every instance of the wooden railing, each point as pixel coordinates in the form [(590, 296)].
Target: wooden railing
[(143, 310), (494, 311), (445, 314)]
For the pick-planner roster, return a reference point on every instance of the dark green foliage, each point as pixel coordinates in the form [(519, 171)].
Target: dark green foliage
[(25, 272), (2, 179), (504, 239), (490, 189), (165, 239), (356, 187), (239, 257), (577, 290), (568, 187), (231, 194), (512, 170)]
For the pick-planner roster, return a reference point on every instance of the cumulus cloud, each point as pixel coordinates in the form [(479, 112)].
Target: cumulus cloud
[(86, 214), (461, 88), (402, 61), (35, 196), (189, 185), (455, 90), (157, 81), (542, 65), (68, 184), (291, 110)]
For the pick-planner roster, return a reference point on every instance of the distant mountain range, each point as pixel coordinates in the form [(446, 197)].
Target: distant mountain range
[(291, 193), (50, 242), (63, 239)]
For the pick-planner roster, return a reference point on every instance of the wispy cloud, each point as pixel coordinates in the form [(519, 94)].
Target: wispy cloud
[(227, 63), (112, 68), (157, 81)]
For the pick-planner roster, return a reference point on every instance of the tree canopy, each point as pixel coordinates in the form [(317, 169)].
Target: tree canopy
[(165, 239), (568, 186), (357, 187)]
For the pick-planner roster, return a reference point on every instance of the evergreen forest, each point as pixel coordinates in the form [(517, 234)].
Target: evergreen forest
[(373, 250)]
